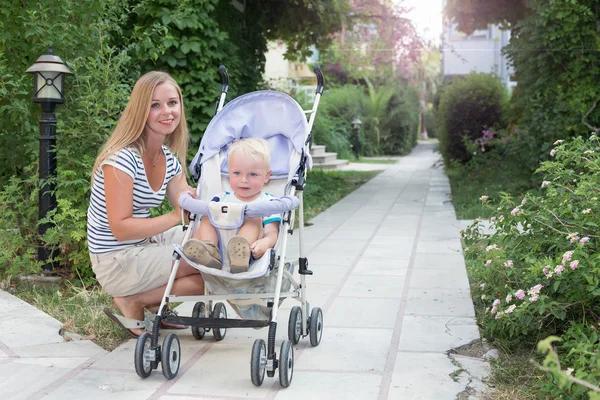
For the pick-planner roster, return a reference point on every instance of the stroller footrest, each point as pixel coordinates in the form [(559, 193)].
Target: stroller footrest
[(217, 322)]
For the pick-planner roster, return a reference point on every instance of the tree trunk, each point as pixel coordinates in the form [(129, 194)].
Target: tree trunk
[(423, 134)]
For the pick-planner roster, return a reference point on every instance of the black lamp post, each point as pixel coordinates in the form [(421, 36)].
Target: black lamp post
[(356, 124), (48, 89)]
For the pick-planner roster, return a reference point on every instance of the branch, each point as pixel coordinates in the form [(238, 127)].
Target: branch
[(568, 377), (586, 115)]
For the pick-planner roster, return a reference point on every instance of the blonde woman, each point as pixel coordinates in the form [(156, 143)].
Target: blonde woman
[(131, 253)]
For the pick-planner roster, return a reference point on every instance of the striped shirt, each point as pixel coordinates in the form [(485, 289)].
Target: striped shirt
[(128, 160)]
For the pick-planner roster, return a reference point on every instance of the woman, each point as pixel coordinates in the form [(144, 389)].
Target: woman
[(131, 253)]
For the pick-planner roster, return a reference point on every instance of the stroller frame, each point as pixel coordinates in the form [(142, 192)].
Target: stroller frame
[(303, 321)]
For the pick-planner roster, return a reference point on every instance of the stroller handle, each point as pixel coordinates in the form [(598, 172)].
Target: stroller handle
[(256, 209), (320, 80), (224, 78)]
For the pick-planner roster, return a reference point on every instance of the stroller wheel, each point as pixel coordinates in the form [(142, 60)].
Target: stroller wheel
[(142, 361), (171, 356), (286, 364), (198, 312), (295, 325), (219, 312), (316, 326), (258, 362)]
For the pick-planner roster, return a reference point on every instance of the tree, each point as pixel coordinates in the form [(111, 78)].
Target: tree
[(477, 14)]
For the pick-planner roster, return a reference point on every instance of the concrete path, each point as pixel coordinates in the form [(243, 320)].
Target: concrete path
[(389, 276)]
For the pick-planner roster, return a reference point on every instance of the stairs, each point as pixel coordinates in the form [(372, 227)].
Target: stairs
[(323, 160)]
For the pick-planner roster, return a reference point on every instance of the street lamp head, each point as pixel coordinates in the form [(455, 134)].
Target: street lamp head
[(356, 123), (49, 78)]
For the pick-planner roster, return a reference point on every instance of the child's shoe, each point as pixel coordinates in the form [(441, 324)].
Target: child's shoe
[(203, 252), (238, 251)]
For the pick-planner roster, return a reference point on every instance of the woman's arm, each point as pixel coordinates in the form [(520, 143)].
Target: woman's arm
[(118, 190)]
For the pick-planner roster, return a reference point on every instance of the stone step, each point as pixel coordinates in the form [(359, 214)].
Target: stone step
[(324, 158), (317, 149), (335, 164)]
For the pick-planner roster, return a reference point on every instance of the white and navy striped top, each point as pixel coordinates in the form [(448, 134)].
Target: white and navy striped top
[(128, 160)]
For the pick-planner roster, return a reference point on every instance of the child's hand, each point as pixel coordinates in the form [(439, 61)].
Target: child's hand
[(259, 248)]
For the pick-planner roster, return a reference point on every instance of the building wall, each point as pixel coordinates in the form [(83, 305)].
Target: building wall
[(478, 52)]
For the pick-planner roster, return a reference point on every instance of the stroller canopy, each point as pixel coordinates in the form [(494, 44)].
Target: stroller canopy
[(266, 114)]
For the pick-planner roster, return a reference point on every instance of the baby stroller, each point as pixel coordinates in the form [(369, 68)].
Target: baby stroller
[(255, 295)]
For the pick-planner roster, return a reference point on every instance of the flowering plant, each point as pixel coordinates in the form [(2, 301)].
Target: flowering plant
[(538, 273)]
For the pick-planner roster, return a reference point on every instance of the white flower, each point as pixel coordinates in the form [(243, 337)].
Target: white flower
[(570, 371), (484, 198), (553, 153), (587, 211), (545, 183), (558, 142)]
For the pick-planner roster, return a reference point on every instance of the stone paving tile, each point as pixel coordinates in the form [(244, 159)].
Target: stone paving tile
[(437, 334), (324, 385), (362, 313), (347, 350), (423, 376), (400, 250), (224, 370), (451, 246), (454, 261), (84, 348), (436, 301), (445, 277), (96, 384), (21, 381), (373, 286), (381, 266)]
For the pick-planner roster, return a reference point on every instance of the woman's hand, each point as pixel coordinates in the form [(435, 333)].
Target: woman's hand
[(177, 209)]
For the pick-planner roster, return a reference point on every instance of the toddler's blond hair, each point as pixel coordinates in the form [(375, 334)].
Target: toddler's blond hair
[(255, 148)]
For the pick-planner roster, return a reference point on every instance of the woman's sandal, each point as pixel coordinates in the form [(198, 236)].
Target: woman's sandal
[(126, 323)]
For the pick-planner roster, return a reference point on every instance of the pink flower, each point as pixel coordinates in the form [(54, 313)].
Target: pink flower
[(508, 263), (536, 289), (488, 262), (574, 264), (553, 152), (498, 316), (559, 269), (584, 240), (492, 219), (567, 256), (516, 211), (546, 269), (510, 309), (491, 247), (482, 285), (545, 183), (496, 303), (508, 298), (520, 294), (533, 298)]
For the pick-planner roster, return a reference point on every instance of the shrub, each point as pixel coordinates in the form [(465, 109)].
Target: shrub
[(401, 121), (431, 121), (467, 107), (333, 126), (538, 274)]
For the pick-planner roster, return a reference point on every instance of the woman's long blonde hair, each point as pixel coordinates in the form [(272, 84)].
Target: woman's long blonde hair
[(130, 128)]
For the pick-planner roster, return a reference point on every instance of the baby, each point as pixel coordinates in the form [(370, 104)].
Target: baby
[(249, 170)]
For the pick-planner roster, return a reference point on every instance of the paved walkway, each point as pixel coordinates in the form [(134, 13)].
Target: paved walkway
[(389, 276)]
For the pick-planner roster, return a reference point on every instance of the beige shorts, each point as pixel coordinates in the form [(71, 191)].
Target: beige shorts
[(139, 268)]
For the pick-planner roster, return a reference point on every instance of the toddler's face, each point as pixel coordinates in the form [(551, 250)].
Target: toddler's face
[(247, 176)]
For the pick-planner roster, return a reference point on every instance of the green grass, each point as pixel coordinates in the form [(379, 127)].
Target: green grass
[(370, 160), (81, 309), (469, 185)]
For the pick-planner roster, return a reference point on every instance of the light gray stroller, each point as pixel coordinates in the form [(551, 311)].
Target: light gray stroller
[(255, 295)]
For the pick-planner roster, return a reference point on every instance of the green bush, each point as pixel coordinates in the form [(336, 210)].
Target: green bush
[(400, 122), (538, 274), (431, 121), (467, 107), (333, 125)]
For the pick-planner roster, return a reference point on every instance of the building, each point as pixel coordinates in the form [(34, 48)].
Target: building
[(479, 52), (289, 76)]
